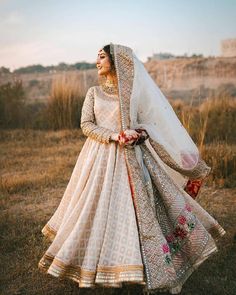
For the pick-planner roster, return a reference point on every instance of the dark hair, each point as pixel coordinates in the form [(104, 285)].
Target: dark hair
[(107, 49)]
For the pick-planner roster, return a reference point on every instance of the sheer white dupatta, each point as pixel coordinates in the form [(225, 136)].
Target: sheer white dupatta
[(169, 141)]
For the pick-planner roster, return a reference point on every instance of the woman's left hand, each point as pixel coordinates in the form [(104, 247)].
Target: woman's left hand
[(143, 136)]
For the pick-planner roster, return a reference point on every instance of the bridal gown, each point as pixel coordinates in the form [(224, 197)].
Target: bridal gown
[(94, 230)]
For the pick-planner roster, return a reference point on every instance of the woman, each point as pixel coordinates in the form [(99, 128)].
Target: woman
[(126, 216)]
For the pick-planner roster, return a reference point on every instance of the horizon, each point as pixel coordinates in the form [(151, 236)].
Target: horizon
[(84, 61)]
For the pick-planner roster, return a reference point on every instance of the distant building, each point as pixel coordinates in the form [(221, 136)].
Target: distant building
[(159, 56), (165, 55), (228, 47)]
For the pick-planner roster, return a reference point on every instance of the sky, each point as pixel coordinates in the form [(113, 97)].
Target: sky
[(48, 32)]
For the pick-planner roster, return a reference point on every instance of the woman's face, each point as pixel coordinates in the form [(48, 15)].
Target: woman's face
[(103, 63)]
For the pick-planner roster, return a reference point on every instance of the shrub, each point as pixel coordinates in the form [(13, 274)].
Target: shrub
[(12, 105), (65, 103)]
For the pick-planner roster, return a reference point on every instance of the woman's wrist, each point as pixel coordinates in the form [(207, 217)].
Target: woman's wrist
[(114, 136)]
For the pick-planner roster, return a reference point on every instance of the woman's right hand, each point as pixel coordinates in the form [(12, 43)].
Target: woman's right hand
[(128, 137), (115, 136)]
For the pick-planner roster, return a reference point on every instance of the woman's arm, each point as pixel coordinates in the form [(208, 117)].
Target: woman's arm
[(88, 124)]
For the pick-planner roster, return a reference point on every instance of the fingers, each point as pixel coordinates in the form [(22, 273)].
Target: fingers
[(143, 132), (129, 133), (114, 136), (128, 137), (132, 137)]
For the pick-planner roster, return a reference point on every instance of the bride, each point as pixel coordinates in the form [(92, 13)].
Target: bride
[(126, 215)]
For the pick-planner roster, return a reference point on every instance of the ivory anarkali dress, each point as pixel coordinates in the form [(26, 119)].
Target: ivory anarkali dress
[(125, 216), (94, 229)]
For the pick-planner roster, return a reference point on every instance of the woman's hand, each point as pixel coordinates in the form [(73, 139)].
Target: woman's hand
[(132, 137), (143, 135), (128, 137), (115, 136)]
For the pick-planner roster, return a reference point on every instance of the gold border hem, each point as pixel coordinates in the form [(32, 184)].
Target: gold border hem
[(105, 276), (49, 232)]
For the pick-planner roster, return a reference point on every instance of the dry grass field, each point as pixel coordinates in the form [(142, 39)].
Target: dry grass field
[(35, 169)]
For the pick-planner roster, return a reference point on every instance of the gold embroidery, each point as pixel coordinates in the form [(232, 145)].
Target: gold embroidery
[(216, 231), (109, 276), (105, 275), (169, 195), (106, 96), (110, 89), (124, 65), (123, 58), (88, 125), (49, 232)]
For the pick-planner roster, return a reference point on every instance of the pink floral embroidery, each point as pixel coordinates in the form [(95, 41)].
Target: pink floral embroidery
[(188, 208), (182, 219), (165, 248), (182, 228)]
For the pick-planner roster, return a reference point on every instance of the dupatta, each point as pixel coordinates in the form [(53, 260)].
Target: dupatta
[(143, 105), (168, 159)]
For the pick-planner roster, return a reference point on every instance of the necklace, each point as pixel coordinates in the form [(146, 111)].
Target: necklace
[(109, 87)]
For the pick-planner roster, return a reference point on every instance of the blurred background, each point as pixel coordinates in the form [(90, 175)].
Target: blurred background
[(48, 53)]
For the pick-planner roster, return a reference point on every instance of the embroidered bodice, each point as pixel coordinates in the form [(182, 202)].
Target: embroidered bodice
[(100, 115)]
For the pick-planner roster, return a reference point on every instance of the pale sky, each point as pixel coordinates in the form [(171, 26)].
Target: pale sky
[(51, 31)]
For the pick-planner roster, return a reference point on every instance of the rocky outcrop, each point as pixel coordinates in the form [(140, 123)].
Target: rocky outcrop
[(196, 77)]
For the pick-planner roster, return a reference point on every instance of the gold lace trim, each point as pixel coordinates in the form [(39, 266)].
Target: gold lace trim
[(105, 275), (216, 231), (49, 232), (124, 64), (106, 96)]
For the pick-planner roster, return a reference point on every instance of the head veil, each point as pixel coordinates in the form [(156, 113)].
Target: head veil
[(143, 105)]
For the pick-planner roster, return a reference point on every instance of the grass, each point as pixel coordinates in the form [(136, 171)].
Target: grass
[(36, 167), (65, 103)]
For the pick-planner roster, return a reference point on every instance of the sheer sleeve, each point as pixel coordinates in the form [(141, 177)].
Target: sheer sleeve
[(88, 123)]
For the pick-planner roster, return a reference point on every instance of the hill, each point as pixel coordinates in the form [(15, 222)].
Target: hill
[(180, 78)]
